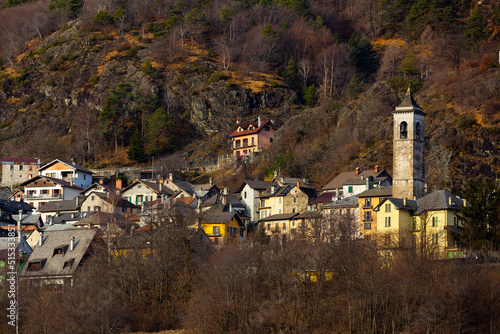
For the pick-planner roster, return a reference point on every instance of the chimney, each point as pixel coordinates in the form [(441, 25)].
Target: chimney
[(226, 191), (450, 202), (298, 185), (305, 180), (119, 183), (73, 215), (101, 181), (224, 199), (275, 173), (72, 243), (230, 207), (77, 201), (358, 170), (377, 169), (160, 186), (171, 176), (273, 189), (405, 202), (367, 183), (40, 240), (211, 181), (260, 121), (19, 227)]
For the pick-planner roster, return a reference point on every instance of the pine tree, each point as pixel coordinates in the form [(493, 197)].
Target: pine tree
[(136, 151)]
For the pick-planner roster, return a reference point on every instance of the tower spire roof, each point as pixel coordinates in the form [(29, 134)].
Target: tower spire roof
[(408, 103)]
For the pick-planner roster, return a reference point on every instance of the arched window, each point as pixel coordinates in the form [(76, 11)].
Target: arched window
[(417, 130), (403, 129)]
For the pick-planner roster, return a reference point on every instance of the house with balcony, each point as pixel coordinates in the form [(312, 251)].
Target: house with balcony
[(43, 189), (252, 137), (70, 172)]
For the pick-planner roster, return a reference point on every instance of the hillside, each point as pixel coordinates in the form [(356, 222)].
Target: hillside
[(118, 84)]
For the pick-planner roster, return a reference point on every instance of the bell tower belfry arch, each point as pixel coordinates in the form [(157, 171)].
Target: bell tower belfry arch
[(408, 149)]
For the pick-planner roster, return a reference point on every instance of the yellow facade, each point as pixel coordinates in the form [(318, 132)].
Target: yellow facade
[(222, 233), (271, 206), (368, 217)]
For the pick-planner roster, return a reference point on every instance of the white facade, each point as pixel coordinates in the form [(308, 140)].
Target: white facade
[(44, 191), (68, 172)]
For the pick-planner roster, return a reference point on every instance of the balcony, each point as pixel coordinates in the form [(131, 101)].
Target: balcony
[(367, 219), (43, 196), (367, 206)]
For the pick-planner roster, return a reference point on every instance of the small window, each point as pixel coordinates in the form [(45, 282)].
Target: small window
[(403, 129), (60, 250), (435, 238), (434, 221), (268, 227), (387, 221), (244, 194), (279, 200), (20, 167), (388, 207), (418, 129), (267, 128), (216, 230), (35, 266), (93, 198), (368, 215), (414, 223), (262, 203), (139, 186), (349, 189), (69, 264), (368, 201)]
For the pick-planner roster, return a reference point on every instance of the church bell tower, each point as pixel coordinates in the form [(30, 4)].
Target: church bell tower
[(408, 149)]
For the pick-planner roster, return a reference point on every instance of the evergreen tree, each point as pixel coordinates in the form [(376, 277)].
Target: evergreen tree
[(365, 57), (291, 74), (310, 96), (480, 217), (475, 27), (136, 150), (409, 66)]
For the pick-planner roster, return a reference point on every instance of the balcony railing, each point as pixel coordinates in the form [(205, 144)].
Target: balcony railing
[(367, 219), (36, 196), (367, 206)]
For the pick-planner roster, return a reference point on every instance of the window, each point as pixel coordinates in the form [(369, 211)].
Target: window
[(368, 215), (293, 210), (45, 191), (60, 250), (216, 230), (268, 227), (387, 221), (84, 176), (69, 264), (30, 176), (35, 265), (139, 186), (435, 239), (388, 207), (237, 144), (279, 210), (403, 130), (263, 214), (253, 141), (244, 194), (368, 237), (434, 221), (30, 167), (20, 167), (368, 202), (262, 203), (97, 208), (414, 224), (93, 197), (455, 221), (267, 128), (245, 142), (349, 189), (295, 200), (279, 200), (417, 130), (284, 227)]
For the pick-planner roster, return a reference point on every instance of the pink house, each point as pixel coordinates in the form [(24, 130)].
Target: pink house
[(252, 137)]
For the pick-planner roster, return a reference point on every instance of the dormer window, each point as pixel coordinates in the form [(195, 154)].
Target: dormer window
[(403, 129), (61, 250), (36, 265), (418, 129), (69, 264)]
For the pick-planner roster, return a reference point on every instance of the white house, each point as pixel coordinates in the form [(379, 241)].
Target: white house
[(43, 189), (250, 190), (70, 172)]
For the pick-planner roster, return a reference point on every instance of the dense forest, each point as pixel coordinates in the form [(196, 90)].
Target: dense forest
[(116, 82)]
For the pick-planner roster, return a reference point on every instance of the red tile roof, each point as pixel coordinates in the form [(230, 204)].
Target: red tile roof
[(23, 161), (256, 128)]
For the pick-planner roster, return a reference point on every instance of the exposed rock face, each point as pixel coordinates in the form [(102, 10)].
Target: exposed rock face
[(68, 73)]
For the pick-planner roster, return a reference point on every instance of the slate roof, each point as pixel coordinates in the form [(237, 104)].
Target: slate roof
[(52, 179), (153, 186), (341, 179), (257, 185), (13, 207), (96, 184), (377, 192), (323, 198), (309, 215), (411, 205), (219, 217), (344, 202), (70, 164), (71, 216), (122, 203), (218, 199), (256, 128), (280, 216), (438, 200), (54, 264), (279, 191), (65, 205), (408, 103)]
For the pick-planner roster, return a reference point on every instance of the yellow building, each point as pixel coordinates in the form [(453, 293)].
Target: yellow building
[(272, 201), (425, 225), (367, 201), (222, 227)]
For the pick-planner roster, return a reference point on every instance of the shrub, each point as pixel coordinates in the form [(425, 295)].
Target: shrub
[(148, 69), (309, 95), (133, 50), (95, 79), (465, 122), (69, 57), (487, 62), (217, 76)]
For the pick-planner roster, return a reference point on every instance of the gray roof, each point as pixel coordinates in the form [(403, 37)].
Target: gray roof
[(339, 181), (71, 217), (71, 164), (408, 103), (377, 192), (13, 207), (258, 185), (217, 217), (341, 203), (309, 215), (219, 198), (52, 179), (280, 216), (153, 186), (278, 191), (411, 205), (63, 264), (438, 200), (66, 205)]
